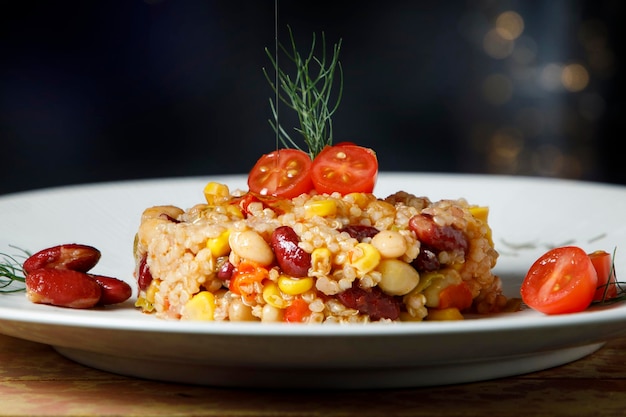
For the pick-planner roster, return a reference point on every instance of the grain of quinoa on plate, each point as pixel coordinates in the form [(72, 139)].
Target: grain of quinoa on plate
[(316, 258)]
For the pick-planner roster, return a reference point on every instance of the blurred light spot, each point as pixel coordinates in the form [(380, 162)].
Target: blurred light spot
[(497, 89), (496, 46), (591, 106), (509, 25), (550, 77), (575, 77)]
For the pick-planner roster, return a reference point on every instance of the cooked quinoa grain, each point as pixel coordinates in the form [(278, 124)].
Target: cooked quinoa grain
[(316, 259)]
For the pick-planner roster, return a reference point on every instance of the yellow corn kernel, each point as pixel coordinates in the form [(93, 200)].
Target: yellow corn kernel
[(294, 286), (144, 305), (321, 260), (216, 193), (152, 290), (480, 212), (271, 295), (200, 307), (451, 313), (360, 199), (457, 266), (234, 211), (364, 258), (322, 208), (219, 246)]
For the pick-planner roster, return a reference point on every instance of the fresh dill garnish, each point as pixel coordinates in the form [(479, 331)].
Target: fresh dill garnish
[(309, 94), (11, 271)]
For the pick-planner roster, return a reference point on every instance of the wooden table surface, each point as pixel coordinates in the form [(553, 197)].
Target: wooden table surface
[(36, 380)]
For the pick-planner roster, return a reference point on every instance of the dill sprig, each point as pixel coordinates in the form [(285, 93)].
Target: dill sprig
[(309, 94), (11, 271)]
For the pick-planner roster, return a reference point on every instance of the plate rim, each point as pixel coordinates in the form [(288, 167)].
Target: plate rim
[(601, 323), (76, 320)]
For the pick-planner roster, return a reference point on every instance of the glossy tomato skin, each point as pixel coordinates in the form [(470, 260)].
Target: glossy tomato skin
[(563, 280), (607, 281), (284, 173), (345, 168)]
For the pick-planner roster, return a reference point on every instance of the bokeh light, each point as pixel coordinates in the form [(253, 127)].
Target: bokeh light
[(574, 77), (492, 86), (509, 25)]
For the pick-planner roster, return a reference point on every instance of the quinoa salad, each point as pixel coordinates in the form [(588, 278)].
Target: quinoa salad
[(316, 258)]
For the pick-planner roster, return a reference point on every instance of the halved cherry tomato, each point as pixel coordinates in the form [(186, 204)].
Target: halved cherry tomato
[(282, 173), (563, 280), (607, 281), (345, 168)]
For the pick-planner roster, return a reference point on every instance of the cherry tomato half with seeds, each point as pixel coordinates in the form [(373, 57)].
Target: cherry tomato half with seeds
[(284, 173), (563, 280), (345, 168)]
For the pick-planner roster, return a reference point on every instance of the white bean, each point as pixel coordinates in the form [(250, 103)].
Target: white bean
[(250, 245), (271, 314), (238, 311), (389, 243), (156, 211), (397, 277), (148, 230)]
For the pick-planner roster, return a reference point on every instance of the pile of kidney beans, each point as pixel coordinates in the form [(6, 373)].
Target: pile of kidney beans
[(60, 276)]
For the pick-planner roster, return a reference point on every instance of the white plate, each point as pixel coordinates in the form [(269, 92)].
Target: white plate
[(527, 216)]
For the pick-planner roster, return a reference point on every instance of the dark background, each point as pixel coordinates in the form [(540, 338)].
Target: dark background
[(112, 90)]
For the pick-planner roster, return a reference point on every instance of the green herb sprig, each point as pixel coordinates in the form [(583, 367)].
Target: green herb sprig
[(309, 94), (11, 271)]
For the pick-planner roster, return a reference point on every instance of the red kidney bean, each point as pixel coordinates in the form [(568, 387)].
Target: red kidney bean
[(144, 277), (291, 258), (360, 232), (426, 260), (225, 271), (72, 256), (372, 302), (62, 287), (112, 290), (440, 238)]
